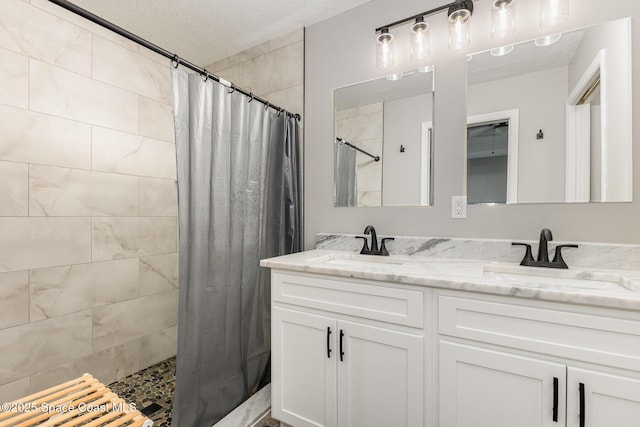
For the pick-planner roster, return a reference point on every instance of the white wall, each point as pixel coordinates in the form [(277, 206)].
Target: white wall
[(617, 136), (541, 98), (327, 43), (403, 120)]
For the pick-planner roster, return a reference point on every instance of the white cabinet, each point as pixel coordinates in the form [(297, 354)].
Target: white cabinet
[(604, 399), (303, 385), (529, 377), (379, 377), (485, 388), (329, 369)]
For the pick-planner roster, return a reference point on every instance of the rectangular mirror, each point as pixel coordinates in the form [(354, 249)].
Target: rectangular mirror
[(549, 120), (383, 141)]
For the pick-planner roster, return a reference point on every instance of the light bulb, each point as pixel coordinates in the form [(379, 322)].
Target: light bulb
[(503, 19), (553, 12), (459, 29), (384, 49), (420, 44)]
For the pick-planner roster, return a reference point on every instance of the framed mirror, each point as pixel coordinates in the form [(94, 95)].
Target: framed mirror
[(383, 141), (549, 120)]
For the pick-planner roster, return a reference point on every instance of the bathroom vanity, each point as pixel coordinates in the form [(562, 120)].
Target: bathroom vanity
[(416, 341)]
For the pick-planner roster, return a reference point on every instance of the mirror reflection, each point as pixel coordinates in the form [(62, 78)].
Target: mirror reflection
[(383, 141), (550, 120)]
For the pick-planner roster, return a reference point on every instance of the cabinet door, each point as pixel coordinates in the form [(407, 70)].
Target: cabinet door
[(607, 400), (380, 377), (303, 377), (484, 388)]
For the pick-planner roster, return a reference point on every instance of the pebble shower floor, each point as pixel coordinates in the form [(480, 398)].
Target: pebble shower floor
[(156, 385)]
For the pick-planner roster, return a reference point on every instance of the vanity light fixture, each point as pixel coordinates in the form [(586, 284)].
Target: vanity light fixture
[(420, 43), (460, 24), (503, 18), (459, 13), (384, 49), (553, 12)]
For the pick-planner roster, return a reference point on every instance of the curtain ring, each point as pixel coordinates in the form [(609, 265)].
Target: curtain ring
[(266, 106), (280, 112), (204, 74), (175, 61), (251, 96), (298, 117), (233, 89)]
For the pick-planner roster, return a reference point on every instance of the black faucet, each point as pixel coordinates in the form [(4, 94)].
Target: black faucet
[(543, 252), (374, 243)]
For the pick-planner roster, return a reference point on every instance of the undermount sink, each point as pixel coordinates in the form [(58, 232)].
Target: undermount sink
[(548, 277)]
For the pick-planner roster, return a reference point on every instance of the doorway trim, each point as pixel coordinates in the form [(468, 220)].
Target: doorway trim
[(511, 116)]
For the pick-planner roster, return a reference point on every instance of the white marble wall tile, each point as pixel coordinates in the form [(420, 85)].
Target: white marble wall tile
[(369, 198), (31, 348), (39, 138), (156, 347), (14, 390), (156, 120), (72, 18), (14, 299), (369, 175), (116, 238), (156, 57), (285, 70), (346, 113), (232, 74), (366, 126), (63, 290), (291, 99), (27, 243), (106, 365), (30, 31), (65, 94), (158, 273), (158, 197), (57, 191), (287, 39), (14, 189), (377, 107), (239, 58), (122, 152), (118, 323), (14, 79), (128, 70)]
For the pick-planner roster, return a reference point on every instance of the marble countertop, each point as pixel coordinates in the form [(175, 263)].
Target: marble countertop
[(599, 287)]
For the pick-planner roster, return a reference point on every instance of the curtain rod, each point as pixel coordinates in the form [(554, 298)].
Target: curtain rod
[(157, 49), (342, 141)]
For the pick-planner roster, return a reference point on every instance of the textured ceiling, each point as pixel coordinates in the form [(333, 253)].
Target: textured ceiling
[(203, 31)]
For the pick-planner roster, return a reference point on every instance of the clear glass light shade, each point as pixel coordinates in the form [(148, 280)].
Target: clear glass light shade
[(553, 12), (502, 50), (420, 42), (548, 40), (459, 29), (503, 19), (384, 50)]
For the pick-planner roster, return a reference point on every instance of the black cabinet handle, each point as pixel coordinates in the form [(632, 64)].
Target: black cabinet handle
[(555, 399), (582, 411), (341, 349), (329, 342)]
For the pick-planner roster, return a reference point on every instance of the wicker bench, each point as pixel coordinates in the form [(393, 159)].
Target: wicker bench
[(84, 401)]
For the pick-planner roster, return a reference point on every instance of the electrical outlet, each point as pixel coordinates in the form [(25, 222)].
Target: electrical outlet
[(458, 207)]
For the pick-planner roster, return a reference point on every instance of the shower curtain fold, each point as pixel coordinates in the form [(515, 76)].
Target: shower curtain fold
[(345, 181), (239, 198)]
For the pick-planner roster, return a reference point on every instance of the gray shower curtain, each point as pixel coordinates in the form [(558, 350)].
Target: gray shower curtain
[(345, 181), (239, 196)]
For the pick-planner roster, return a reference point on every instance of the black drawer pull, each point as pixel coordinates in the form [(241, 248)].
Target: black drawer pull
[(555, 399), (329, 342), (582, 410), (341, 349)]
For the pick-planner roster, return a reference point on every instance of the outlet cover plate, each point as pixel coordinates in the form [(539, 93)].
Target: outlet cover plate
[(459, 207)]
